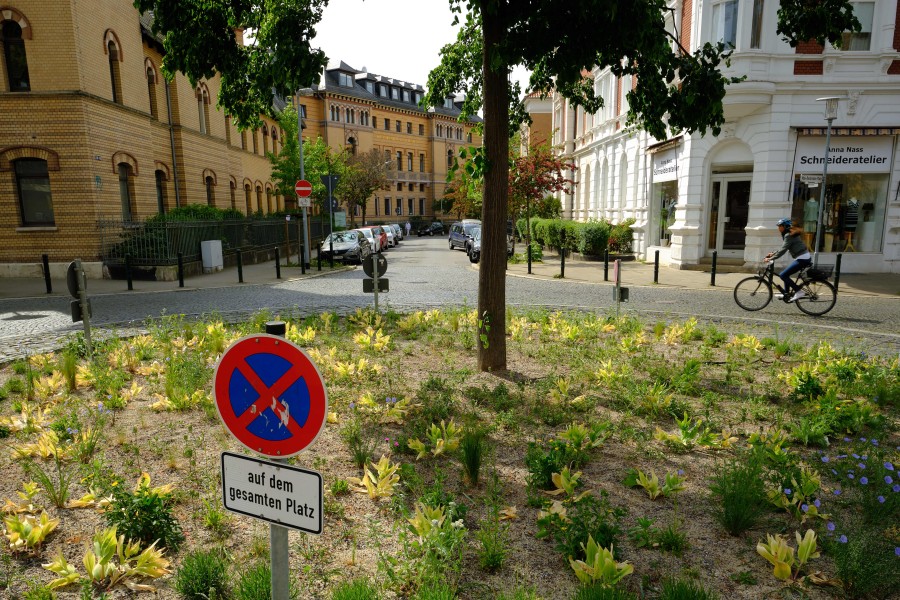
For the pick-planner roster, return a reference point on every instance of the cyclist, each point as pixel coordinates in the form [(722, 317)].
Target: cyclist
[(793, 243)]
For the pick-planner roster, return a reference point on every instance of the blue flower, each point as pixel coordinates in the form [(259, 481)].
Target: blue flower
[(817, 503), (837, 492), (888, 479), (804, 507), (829, 526), (825, 459), (862, 439), (881, 499), (352, 405), (861, 465), (896, 487), (865, 457), (855, 455), (888, 466), (842, 456), (874, 442), (851, 475), (787, 491), (843, 539), (897, 550), (864, 480), (680, 471), (846, 439), (834, 471)]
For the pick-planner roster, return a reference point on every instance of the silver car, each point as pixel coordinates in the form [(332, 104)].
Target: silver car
[(349, 246)]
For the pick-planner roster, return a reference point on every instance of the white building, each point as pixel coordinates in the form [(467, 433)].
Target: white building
[(725, 193)]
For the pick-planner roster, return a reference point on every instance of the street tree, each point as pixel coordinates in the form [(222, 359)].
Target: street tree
[(321, 159), (364, 174), (286, 164), (675, 90), (200, 39), (535, 176), (464, 195)]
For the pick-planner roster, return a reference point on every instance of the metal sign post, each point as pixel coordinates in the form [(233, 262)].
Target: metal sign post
[(81, 306), (330, 182)]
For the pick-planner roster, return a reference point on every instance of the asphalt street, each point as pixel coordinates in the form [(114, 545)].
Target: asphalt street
[(423, 273)]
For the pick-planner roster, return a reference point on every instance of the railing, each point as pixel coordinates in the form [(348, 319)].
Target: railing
[(159, 243)]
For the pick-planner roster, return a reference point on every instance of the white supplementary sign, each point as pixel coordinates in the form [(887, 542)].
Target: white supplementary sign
[(304, 202), (665, 166), (277, 493), (846, 154)]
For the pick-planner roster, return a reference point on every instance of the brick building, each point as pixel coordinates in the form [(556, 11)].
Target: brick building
[(91, 131)]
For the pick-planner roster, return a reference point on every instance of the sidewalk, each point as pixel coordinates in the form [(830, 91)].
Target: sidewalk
[(634, 273)]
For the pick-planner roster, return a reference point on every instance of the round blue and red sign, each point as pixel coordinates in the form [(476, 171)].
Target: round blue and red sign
[(270, 395)]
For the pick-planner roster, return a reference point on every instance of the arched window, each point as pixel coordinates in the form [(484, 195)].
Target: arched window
[(243, 140), (33, 185), (269, 207), (161, 191), (248, 199), (259, 203), (14, 55), (351, 145), (203, 109), (233, 187), (126, 191), (115, 77), (449, 158), (151, 92), (210, 191), (265, 138), (227, 130), (255, 142)]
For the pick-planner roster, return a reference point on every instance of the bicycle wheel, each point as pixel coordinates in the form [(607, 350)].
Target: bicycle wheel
[(820, 298), (753, 293)]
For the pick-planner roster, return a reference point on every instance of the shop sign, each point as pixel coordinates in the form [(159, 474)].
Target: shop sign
[(665, 166), (848, 154)]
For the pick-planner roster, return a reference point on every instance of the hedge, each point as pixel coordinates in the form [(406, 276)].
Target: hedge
[(591, 238)]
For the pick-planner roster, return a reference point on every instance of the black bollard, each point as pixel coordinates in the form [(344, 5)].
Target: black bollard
[(837, 271), (240, 263), (562, 254), (656, 266), (277, 263), (712, 277), (606, 265), (46, 260), (180, 270), (302, 260), (276, 328), (319, 258), (128, 272)]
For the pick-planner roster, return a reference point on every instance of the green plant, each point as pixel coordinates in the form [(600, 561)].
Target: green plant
[(255, 583), (340, 487), (473, 447), (777, 551), (739, 487), (380, 482), (26, 533), (570, 523), (599, 566), (144, 515), (673, 483), (543, 459), (598, 591), (672, 539), (216, 520), (683, 589), (360, 440), (203, 575), (436, 591), (358, 589), (38, 592), (55, 483), (866, 563), (493, 535)]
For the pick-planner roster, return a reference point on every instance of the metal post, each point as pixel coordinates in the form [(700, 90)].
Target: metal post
[(712, 277), (278, 535), (305, 258), (180, 270), (128, 272), (301, 257), (656, 266), (837, 271), (83, 300), (319, 258), (330, 224), (277, 263), (618, 283), (606, 265), (46, 260), (831, 106), (562, 254), (375, 278), (240, 263)]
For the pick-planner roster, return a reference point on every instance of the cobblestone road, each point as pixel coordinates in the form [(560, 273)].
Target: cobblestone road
[(423, 273)]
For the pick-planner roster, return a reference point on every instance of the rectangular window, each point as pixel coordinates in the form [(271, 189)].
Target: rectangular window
[(303, 110), (409, 205), (862, 41), (409, 161), (399, 160), (400, 187), (125, 191), (421, 129), (408, 127), (345, 80), (421, 163), (387, 156), (421, 206), (395, 94), (374, 122), (756, 27), (406, 96), (369, 86), (376, 206), (387, 206), (397, 126), (724, 22), (33, 183), (387, 124)]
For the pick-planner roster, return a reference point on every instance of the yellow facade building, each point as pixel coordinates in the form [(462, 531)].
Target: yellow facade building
[(91, 131)]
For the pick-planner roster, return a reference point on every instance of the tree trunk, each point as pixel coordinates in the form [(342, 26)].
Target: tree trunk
[(492, 272)]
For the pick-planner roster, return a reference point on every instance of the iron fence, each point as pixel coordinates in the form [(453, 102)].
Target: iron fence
[(158, 243)]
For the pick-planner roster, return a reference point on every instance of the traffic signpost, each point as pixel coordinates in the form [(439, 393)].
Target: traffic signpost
[(330, 182), (303, 188), (375, 269), (81, 306)]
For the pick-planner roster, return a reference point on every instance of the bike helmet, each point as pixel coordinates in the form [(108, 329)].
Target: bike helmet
[(784, 222)]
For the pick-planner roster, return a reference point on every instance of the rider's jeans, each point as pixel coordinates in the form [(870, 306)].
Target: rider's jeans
[(790, 270)]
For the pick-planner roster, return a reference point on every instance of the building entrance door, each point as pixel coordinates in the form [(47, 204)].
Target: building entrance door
[(729, 207)]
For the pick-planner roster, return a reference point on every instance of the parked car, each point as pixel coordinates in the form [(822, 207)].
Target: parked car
[(436, 228), (349, 246), (391, 240), (381, 236), (398, 231), (475, 232), (461, 232), (474, 247), (374, 243)]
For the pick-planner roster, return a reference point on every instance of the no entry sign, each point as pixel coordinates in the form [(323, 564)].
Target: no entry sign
[(303, 188), (270, 395)]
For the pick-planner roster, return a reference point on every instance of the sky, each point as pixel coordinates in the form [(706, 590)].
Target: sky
[(400, 39)]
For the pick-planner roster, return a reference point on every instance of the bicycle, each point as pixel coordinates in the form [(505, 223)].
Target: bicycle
[(755, 293)]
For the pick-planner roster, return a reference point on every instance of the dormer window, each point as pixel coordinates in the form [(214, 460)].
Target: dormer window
[(448, 102), (345, 80), (406, 96), (395, 94), (382, 91), (369, 86)]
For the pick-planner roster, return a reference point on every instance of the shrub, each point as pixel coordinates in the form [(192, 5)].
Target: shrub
[(593, 237), (543, 461), (358, 589), (144, 515), (587, 517), (739, 486), (621, 237), (677, 589), (202, 574)]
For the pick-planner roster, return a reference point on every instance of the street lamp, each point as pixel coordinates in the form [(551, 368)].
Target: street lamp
[(831, 106)]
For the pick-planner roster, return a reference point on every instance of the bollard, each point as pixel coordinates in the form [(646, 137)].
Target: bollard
[(562, 254), (277, 263), (656, 266), (606, 265), (837, 271), (46, 260), (319, 258), (128, 272), (240, 263), (712, 277), (180, 270), (302, 262)]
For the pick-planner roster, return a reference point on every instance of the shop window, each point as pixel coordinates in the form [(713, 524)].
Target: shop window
[(126, 192), (724, 22), (15, 57), (160, 191), (151, 92), (115, 77), (33, 185), (210, 191), (861, 40)]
